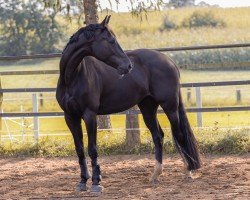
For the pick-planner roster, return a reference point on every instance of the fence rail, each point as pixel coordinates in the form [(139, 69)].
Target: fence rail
[(129, 112), (184, 85), (185, 48), (198, 108), (38, 72)]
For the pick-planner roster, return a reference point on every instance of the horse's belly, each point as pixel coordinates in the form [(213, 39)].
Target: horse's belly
[(120, 102), (121, 94)]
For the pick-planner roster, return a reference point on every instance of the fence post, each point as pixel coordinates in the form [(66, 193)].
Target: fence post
[(36, 119), (188, 95), (132, 130), (238, 96), (198, 105), (41, 99), (104, 122)]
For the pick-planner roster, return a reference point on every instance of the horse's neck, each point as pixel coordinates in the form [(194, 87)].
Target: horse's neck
[(69, 64)]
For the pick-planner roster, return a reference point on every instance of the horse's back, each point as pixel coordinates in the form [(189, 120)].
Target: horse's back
[(162, 72), (156, 61)]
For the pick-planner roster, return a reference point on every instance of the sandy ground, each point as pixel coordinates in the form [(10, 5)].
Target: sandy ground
[(125, 177)]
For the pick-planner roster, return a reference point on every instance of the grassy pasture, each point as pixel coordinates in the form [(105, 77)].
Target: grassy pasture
[(133, 33)]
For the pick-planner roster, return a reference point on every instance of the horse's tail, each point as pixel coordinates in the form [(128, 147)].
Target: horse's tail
[(188, 146)]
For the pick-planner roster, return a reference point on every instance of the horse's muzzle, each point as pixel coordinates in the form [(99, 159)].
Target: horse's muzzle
[(123, 71)]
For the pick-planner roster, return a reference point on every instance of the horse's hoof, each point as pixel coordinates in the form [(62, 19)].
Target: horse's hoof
[(96, 189), (189, 178), (189, 175), (81, 187), (157, 172)]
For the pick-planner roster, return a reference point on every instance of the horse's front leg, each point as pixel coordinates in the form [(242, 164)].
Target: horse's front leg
[(74, 124), (91, 126)]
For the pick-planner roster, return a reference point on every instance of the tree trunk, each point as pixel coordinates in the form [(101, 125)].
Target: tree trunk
[(1, 100), (132, 136), (90, 11), (103, 122), (91, 17)]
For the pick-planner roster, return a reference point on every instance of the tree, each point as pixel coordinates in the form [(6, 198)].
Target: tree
[(26, 28), (181, 3), (137, 7), (13, 28), (90, 10), (47, 32)]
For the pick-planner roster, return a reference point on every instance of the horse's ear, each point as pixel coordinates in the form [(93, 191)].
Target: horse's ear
[(108, 18), (105, 21)]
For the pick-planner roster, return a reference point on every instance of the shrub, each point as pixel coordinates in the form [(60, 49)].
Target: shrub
[(213, 141), (224, 59), (234, 143), (168, 24), (200, 19)]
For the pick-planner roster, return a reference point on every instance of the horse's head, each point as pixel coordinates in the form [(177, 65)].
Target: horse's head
[(106, 48), (99, 41)]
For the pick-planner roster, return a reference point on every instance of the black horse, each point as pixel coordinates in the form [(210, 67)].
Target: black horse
[(88, 87)]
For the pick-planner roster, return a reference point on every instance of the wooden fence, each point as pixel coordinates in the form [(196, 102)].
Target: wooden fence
[(198, 109)]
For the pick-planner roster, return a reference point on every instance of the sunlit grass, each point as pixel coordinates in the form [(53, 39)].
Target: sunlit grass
[(57, 126), (215, 141), (133, 33)]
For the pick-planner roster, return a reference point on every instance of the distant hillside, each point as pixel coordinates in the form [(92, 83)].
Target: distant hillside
[(133, 33)]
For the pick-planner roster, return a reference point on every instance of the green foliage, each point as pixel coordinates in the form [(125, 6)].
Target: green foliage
[(234, 143), (226, 142), (181, 3), (199, 19), (13, 23), (212, 141), (168, 24), (26, 28), (228, 59), (45, 147)]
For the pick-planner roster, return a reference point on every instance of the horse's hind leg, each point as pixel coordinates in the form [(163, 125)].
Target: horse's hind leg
[(182, 133), (148, 108), (74, 125)]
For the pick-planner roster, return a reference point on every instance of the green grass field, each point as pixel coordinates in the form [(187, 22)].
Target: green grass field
[(133, 33)]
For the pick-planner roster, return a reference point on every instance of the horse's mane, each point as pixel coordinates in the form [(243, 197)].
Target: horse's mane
[(87, 31)]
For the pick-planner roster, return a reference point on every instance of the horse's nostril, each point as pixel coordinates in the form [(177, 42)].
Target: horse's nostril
[(130, 67)]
